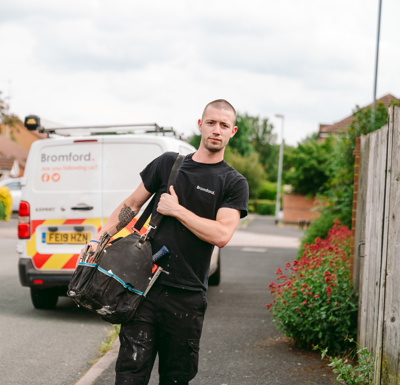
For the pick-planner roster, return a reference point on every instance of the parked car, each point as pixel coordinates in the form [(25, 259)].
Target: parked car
[(14, 185)]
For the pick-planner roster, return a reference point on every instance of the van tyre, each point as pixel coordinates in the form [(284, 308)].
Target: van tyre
[(215, 279), (44, 298)]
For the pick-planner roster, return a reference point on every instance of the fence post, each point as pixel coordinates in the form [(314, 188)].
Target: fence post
[(354, 265), (390, 321)]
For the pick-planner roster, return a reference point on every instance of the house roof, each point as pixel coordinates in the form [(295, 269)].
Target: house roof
[(338, 127), (22, 135), (10, 149)]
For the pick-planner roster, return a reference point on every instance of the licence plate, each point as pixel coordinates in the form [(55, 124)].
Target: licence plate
[(72, 238)]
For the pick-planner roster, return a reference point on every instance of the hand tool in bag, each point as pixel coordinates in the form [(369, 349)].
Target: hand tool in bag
[(113, 280)]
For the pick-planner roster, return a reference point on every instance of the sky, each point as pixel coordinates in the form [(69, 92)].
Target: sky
[(84, 62)]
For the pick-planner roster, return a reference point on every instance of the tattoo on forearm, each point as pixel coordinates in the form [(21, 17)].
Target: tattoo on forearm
[(125, 216)]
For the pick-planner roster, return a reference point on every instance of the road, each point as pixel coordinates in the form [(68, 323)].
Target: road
[(240, 345), (37, 346)]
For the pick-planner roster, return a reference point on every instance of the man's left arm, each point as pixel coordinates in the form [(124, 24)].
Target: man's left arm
[(217, 232)]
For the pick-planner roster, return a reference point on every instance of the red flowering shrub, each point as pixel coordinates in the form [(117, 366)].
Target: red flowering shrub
[(313, 300)]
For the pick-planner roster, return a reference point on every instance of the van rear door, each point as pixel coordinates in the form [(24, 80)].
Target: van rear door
[(65, 199)]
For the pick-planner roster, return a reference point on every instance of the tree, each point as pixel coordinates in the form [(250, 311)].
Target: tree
[(310, 166), (194, 140), (242, 141), (264, 143), (7, 118), (249, 166)]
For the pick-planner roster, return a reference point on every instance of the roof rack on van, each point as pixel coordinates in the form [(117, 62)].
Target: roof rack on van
[(32, 123)]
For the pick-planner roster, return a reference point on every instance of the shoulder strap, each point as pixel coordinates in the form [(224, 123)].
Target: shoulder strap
[(155, 220)]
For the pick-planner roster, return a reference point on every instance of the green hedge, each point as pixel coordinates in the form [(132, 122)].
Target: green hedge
[(262, 206)]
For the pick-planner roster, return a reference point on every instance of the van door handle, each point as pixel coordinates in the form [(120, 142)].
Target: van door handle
[(82, 206)]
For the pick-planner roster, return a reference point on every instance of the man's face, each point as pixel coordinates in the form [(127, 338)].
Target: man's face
[(217, 126)]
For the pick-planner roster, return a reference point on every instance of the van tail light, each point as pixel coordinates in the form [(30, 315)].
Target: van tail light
[(24, 220)]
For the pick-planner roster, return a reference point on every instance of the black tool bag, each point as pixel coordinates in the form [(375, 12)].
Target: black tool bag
[(114, 279)]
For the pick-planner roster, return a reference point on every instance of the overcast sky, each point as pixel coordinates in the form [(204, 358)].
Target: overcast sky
[(81, 62)]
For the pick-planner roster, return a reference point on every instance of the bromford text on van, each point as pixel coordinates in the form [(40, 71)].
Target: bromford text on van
[(71, 185)]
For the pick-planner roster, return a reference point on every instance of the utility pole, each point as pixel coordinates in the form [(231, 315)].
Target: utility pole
[(280, 166), (376, 64)]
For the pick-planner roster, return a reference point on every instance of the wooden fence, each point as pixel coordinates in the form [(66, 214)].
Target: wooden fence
[(377, 239)]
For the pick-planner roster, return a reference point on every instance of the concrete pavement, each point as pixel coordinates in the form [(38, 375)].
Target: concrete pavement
[(240, 345)]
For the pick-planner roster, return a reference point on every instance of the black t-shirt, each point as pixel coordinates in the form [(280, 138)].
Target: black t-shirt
[(203, 189)]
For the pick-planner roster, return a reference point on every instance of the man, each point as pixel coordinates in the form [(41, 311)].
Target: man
[(201, 210)]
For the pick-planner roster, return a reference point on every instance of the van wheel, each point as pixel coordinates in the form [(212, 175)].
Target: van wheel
[(44, 298), (215, 279)]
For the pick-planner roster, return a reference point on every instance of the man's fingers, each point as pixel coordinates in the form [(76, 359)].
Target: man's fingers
[(172, 191)]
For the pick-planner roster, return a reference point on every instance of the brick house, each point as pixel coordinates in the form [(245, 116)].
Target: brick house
[(340, 126)]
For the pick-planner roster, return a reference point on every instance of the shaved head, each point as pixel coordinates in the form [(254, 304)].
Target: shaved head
[(221, 104)]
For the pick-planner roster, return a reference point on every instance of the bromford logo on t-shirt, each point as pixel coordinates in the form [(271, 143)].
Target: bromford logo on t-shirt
[(206, 190)]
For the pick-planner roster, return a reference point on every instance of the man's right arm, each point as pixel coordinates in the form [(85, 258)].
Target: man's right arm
[(125, 212)]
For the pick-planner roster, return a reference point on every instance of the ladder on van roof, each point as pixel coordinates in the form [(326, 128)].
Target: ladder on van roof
[(32, 123)]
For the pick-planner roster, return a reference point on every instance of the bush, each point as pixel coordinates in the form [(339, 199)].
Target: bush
[(319, 228), (249, 167), (262, 206), (267, 190), (5, 203), (251, 206), (356, 370), (314, 304), (265, 208), (311, 166)]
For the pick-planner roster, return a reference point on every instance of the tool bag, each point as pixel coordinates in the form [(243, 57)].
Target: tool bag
[(113, 280)]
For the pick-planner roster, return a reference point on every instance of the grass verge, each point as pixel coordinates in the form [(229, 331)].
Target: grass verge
[(107, 344)]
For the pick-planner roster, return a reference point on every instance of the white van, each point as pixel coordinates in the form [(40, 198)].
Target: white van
[(71, 186)]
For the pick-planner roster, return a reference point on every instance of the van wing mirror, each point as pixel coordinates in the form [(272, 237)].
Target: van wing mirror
[(32, 122)]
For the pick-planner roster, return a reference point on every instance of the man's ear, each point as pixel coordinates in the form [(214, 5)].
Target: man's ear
[(199, 124), (234, 131)]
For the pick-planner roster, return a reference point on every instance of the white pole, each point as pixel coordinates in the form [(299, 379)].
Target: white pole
[(280, 165), (376, 63)]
